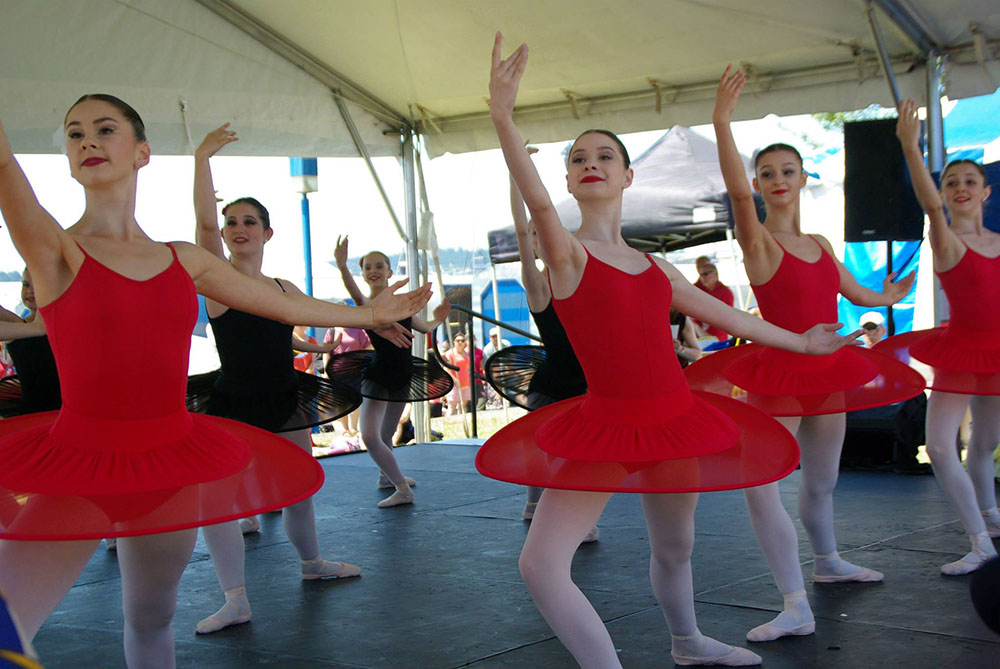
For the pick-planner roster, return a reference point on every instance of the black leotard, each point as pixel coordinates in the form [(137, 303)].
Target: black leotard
[(36, 371)]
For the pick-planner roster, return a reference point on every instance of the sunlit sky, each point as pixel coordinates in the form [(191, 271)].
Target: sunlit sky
[(467, 192)]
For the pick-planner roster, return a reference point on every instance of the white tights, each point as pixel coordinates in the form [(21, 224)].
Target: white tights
[(970, 492), (562, 520), (378, 423), (36, 575), (226, 544)]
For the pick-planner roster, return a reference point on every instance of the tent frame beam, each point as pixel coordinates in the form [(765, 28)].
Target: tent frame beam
[(311, 65)]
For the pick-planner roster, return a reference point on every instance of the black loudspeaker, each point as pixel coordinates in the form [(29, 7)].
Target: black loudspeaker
[(879, 203)]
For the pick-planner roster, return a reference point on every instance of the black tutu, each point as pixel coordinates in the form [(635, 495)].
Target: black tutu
[(12, 399), (315, 401), (516, 373), (424, 380)]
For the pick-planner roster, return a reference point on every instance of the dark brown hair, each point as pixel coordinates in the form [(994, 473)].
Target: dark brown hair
[(124, 108), (771, 148), (361, 262), (964, 161), (606, 133), (265, 218)]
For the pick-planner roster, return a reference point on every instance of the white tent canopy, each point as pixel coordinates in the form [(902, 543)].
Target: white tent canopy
[(629, 66)]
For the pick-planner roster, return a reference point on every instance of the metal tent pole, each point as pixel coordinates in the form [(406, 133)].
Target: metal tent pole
[(419, 414)]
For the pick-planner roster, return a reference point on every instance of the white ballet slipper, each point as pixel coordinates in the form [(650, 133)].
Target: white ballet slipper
[(384, 482), (981, 553), (592, 536), (235, 611), (249, 525), (403, 495), (770, 632), (318, 568), (736, 657), (856, 573)]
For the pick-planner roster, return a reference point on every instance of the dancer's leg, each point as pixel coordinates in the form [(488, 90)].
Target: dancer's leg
[(670, 523), (979, 458), (821, 439), (226, 548), (561, 522), (36, 575), (944, 415), (151, 568), (393, 412), (780, 544), (300, 526), (376, 418)]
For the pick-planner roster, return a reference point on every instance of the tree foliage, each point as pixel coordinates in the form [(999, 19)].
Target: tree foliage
[(836, 120)]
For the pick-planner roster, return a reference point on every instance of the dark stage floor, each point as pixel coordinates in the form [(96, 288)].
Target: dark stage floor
[(441, 589)]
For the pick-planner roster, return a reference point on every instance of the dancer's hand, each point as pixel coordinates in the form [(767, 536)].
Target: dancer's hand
[(340, 253), (505, 77), (389, 307), (442, 310), (395, 333), (823, 339), (908, 124), (215, 140), (727, 94), (894, 291)]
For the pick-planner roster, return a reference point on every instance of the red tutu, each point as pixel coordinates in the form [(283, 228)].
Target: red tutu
[(782, 383), (123, 457), (639, 428), (744, 448), (947, 360)]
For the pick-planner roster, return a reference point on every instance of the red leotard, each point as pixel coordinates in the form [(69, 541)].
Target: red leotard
[(781, 383), (123, 456), (964, 356), (639, 428)]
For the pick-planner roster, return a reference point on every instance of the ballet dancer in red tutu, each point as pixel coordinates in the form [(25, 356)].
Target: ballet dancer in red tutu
[(123, 457), (796, 279), (961, 361), (643, 431)]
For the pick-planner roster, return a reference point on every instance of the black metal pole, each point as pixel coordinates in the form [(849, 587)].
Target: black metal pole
[(890, 323), (472, 378)]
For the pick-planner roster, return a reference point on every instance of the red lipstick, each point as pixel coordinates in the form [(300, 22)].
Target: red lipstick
[(90, 162)]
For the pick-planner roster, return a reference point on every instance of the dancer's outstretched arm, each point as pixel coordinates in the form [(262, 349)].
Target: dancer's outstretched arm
[(761, 252), (219, 281), (205, 212), (947, 247), (892, 291), (11, 330), (818, 340), (560, 251)]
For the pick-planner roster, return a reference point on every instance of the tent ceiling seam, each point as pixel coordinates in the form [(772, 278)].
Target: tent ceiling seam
[(308, 63)]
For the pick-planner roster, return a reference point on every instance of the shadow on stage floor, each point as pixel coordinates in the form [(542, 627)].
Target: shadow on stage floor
[(441, 589)]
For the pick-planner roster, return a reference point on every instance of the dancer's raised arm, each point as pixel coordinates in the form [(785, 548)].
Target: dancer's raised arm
[(945, 244), (556, 246), (892, 291), (205, 209), (340, 255), (36, 235), (754, 239), (536, 288)]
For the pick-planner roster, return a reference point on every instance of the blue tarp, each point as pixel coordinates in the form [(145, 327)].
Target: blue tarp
[(867, 262), (513, 310)]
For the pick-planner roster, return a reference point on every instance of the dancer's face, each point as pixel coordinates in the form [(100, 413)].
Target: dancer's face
[(101, 144), (28, 292), (375, 270), (779, 177), (963, 189), (596, 168), (243, 230)]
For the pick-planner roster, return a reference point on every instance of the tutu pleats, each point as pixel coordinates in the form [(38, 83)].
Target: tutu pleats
[(11, 398), (781, 383), (50, 489), (426, 380), (314, 401), (510, 371), (948, 362), (729, 445)]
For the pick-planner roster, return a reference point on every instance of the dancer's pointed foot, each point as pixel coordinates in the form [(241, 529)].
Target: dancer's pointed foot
[(249, 525), (384, 482), (698, 649), (235, 611), (592, 536), (830, 568), (795, 620), (403, 495), (981, 553), (318, 568)]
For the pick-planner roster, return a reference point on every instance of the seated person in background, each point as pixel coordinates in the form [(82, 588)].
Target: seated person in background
[(495, 343), (685, 338), (873, 324), (708, 281)]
